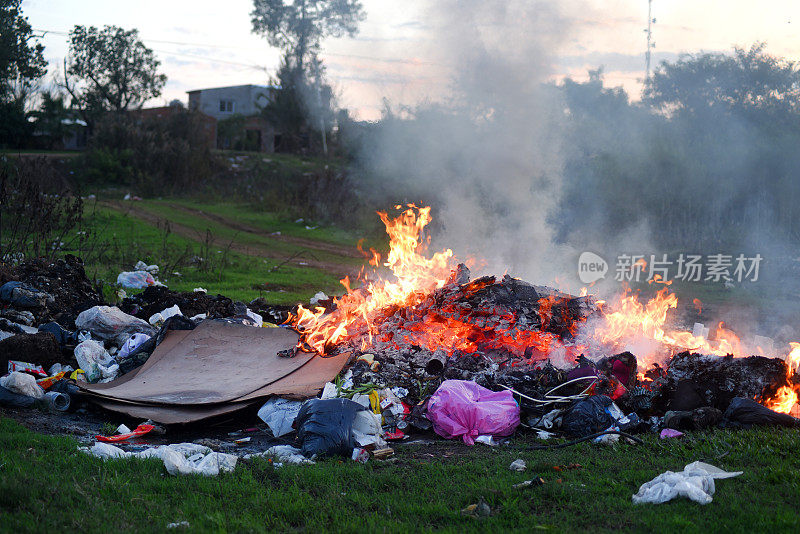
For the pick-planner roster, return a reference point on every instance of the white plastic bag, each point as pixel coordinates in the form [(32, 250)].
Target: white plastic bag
[(180, 458), (283, 454), (279, 414), (22, 384), (135, 279), (695, 482), (132, 344), (111, 323), (159, 317), (95, 361)]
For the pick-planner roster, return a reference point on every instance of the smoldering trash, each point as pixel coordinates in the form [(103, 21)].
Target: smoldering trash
[(415, 349)]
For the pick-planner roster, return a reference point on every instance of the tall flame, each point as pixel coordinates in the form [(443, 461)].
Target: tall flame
[(414, 277)]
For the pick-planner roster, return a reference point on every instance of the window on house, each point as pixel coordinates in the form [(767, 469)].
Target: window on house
[(226, 106)]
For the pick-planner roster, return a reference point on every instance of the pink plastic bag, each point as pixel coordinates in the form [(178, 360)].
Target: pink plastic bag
[(463, 408)]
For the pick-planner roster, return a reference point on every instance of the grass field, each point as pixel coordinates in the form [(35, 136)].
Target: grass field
[(219, 256), (46, 485)]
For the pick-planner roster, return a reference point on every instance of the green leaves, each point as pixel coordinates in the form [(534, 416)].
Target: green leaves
[(110, 69)]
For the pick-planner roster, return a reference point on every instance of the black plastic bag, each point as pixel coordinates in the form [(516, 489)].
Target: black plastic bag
[(588, 416), (15, 400), (746, 413), (325, 426)]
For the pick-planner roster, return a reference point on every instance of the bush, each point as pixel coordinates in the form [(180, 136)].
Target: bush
[(155, 155), (34, 221)]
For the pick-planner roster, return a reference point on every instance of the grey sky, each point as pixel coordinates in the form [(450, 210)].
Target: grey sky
[(206, 44)]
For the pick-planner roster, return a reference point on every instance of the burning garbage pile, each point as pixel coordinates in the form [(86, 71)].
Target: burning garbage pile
[(426, 323), (413, 345)]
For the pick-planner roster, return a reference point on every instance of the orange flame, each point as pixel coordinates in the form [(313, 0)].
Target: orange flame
[(626, 324)]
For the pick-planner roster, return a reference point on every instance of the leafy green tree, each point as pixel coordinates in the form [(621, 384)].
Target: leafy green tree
[(110, 69), (21, 64), (749, 82), (298, 26), (21, 59)]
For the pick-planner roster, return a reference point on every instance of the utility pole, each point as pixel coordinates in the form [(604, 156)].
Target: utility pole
[(650, 43)]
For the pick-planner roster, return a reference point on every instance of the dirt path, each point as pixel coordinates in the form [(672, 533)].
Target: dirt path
[(341, 250), (251, 249)]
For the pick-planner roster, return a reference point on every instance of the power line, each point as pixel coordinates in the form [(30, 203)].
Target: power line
[(413, 62)]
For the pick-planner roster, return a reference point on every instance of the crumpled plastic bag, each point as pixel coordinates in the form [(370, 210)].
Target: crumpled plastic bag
[(22, 384), (179, 459), (279, 414), (284, 454), (695, 482), (111, 323), (132, 344), (463, 408), (135, 279), (95, 361), (588, 416)]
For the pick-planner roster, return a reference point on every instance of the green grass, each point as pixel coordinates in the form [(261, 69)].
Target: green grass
[(270, 222), (122, 239), (47, 485)]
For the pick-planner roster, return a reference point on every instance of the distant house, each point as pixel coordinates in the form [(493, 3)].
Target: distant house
[(237, 109)]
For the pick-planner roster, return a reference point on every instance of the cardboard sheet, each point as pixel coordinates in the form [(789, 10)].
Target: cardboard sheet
[(214, 363)]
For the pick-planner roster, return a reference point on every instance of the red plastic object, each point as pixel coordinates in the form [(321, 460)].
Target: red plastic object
[(141, 430), (393, 436)]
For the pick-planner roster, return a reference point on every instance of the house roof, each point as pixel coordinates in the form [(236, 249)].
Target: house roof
[(230, 87)]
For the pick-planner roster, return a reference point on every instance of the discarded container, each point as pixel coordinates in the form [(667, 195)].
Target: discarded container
[(95, 361), (158, 318), (57, 402), (463, 408)]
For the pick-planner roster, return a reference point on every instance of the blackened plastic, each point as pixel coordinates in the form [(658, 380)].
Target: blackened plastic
[(325, 427), (746, 413), (588, 416)]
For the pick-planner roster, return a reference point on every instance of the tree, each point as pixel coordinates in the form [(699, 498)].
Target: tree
[(21, 64), (298, 26), (110, 70), (20, 59), (749, 82), (51, 119)]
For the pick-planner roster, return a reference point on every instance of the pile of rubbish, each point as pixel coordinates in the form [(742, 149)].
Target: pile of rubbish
[(166, 358)]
